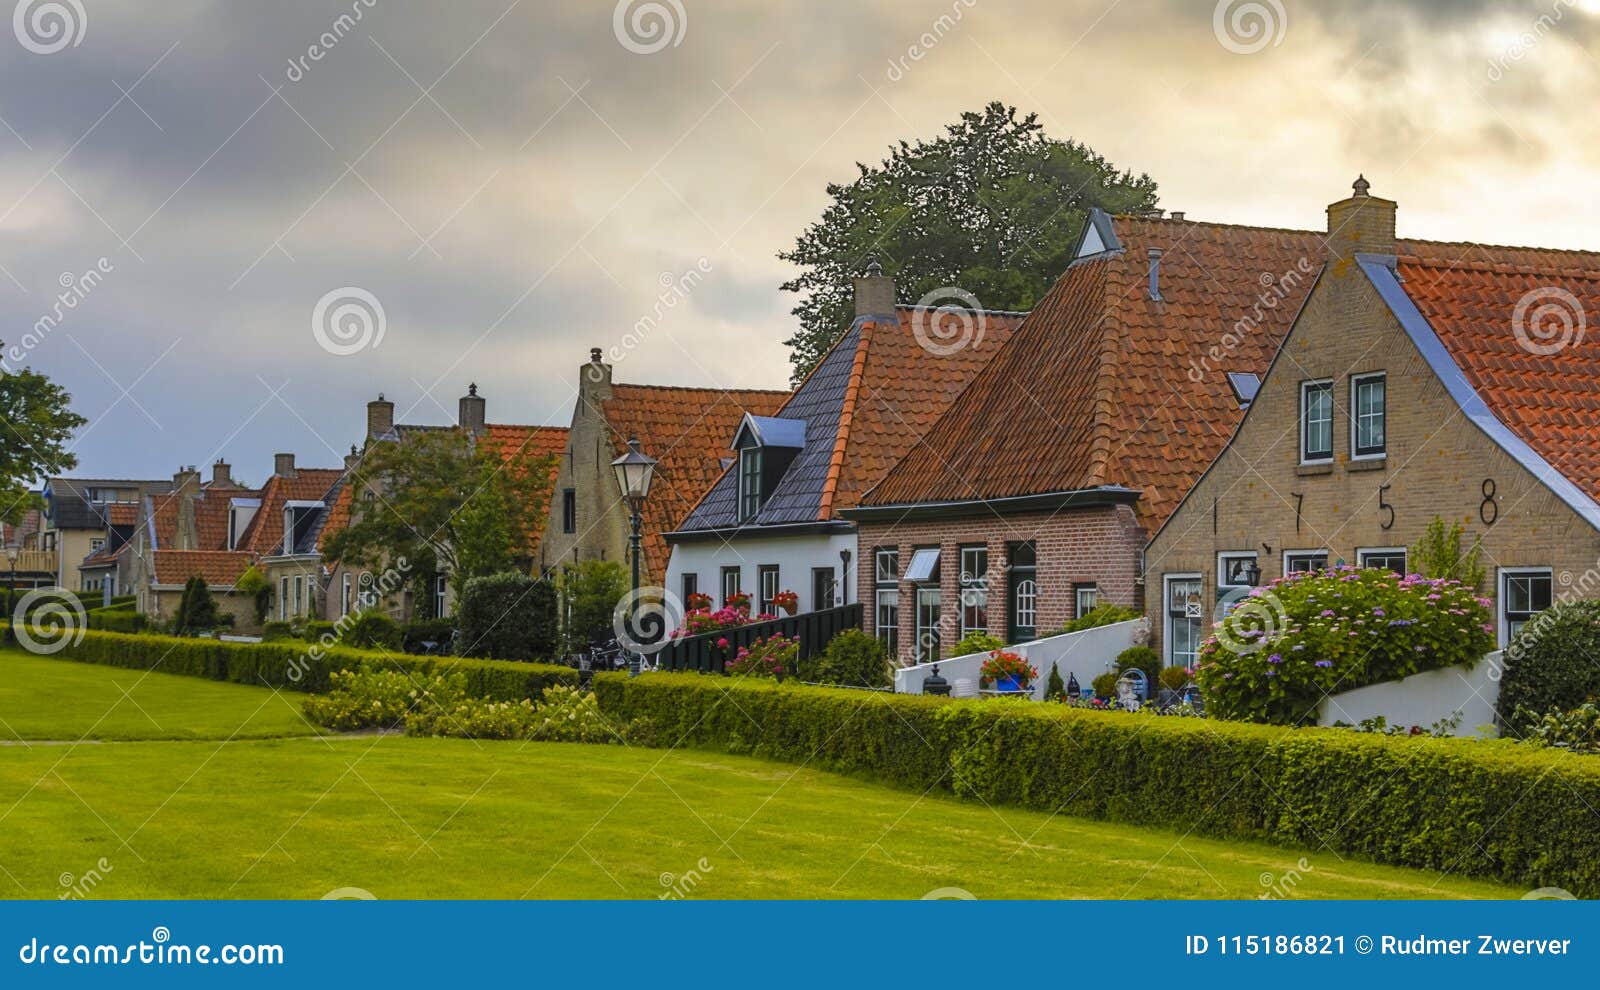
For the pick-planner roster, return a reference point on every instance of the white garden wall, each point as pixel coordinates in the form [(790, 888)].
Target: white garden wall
[(1423, 699), (1085, 654)]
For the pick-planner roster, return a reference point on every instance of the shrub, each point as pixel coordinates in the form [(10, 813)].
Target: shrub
[(1491, 809), (371, 697), (1104, 614), (1105, 685), (117, 618), (1144, 658), (1438, 554), (273, 631), (436, 631), (1550, 666), (852, 658), (254, 584), (507, 617), (368, 631), (770, 657), (1055, 689), (590, 593), (977, 642), (1175, 678), (1577, 730), (565, 715), (1280, 651)]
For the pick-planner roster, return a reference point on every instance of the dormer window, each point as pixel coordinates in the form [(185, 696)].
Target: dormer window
[(749, 483), (298, 519)]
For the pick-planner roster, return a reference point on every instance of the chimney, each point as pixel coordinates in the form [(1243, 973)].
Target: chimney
[(380, 417), (283, 465), (186, 481), (1155, 274), (1177, 215), (352, 460), (594, 378), (1362, 224), (471, 411), (221, 474), (874, 292)]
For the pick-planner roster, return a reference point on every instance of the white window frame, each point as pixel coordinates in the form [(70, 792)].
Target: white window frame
[(1305, 421), (886, 618), (1167, 618), (283, 598), (768, 574), (1363, 552), (1502, 577), (974, 588), (750, 468), (737, 573), (344, 598), (440, 585), (1289, 556), (924, 561), (1092, 591), (886, 576), (1356, 381)]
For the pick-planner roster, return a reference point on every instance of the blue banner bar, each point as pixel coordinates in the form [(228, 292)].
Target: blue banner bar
[(797, 943)]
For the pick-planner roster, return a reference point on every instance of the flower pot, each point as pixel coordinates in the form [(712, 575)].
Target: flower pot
[(1010, 684)]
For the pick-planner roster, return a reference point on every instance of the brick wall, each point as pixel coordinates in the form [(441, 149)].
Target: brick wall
[(1098, 546)]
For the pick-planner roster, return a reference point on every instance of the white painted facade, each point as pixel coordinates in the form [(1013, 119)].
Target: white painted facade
[(1425, 698), (796, 557)]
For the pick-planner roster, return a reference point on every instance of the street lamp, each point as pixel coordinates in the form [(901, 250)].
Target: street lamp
[(634, 472), (11, 590)]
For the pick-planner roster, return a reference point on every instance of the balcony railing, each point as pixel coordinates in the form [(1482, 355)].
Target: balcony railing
[(29, 562)]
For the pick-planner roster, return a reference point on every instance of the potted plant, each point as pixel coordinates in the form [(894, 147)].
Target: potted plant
[(738, 601), (1007, 671), (787, 600), (698, 601)]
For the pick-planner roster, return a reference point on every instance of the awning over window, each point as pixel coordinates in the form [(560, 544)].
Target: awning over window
[(924, 563)]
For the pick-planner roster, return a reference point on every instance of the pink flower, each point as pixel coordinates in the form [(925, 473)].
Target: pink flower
[(722, 644)]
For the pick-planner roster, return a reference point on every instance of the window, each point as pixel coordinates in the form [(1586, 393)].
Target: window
[(1022, 592), (1367, 415), (886, 613), (569, 511), (691, 587), (1304, 561), (731, 579), (924, 565), (298, 519), (974, 590), (299, 595), (283, 598), (1316, 422), (823, 588), (1394, 558), (928, 638), (344, 597), (1233, 577), (1524, 593), (749, 482), (1084, 598), (440, 584), (1185, 617), (767, 576), (96, 544)]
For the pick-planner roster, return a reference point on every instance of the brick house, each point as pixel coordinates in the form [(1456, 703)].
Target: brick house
[(778, 518), (1421, 380), (74, 520), (685, 429), (1032, 497)]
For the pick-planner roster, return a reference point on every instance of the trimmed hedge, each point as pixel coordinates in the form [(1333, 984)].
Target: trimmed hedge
[(303, 667), (1550, 667), (1492, 809)]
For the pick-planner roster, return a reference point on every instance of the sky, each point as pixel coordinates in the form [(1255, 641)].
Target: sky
[(224, 226)]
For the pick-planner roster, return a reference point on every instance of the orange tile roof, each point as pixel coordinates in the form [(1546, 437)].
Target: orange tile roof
[(220, 568), (264, 535), (121, 513), (688, 431), (1095, 389), (1469, 294), (338, 514)]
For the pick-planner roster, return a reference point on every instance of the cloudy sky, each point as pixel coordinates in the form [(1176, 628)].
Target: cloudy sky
[(514, 182)]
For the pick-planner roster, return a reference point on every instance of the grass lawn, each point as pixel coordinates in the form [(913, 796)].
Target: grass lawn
[(49, 698), (300, 817)]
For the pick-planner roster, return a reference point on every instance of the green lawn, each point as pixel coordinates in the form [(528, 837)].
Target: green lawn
[(300, 817), (46, 698)]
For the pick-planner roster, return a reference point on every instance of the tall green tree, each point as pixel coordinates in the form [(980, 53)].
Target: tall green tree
[(993, 207), (446, 504), (36, 423)]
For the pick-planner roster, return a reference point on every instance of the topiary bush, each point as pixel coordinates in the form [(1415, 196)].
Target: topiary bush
[(507, 617), (1551, 667), (1287, 646), (852, 658)]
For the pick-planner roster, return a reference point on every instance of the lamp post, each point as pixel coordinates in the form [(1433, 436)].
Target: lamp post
[(634, 472), (11, 591)]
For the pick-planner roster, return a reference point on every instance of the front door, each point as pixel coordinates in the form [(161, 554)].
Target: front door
[(822, 588), (1022, 594)]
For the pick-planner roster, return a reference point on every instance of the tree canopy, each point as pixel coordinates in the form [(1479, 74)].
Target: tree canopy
[(446, 504), (37, 424), (994, 208)]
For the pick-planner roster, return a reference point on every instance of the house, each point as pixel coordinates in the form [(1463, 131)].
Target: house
[(1422, 379), (1032, 497), (777, 518), (687, 431), (27, 565), (74, 524), (347, 588)]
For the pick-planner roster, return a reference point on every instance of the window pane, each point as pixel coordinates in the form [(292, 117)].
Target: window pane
[(888, 566), (923, 564)]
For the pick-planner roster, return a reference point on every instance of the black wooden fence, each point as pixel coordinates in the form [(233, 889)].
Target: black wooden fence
[(813, 629)]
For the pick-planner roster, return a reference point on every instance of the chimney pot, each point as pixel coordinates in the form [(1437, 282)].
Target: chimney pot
[(283, 465), (1361, 224), (1361, 185), (1155, 274), (594, 355)]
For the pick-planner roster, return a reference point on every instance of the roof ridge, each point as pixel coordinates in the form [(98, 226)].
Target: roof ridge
[(698, 388), (1136, 218), (981, 312), (847, 406), (1498, 247)]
